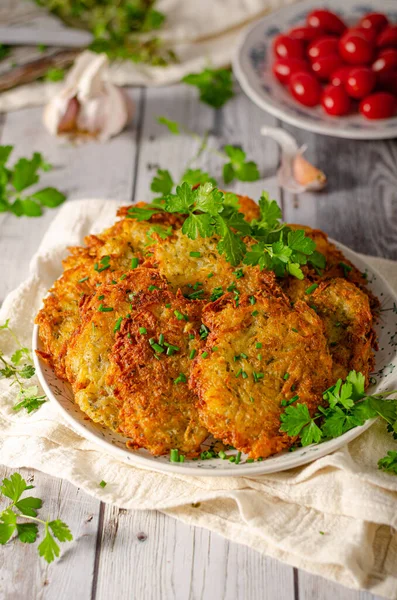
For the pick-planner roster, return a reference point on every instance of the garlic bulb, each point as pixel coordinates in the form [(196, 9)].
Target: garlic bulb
[(295, 174), (88, 105)]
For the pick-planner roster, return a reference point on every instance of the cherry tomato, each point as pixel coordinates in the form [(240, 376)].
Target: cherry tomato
[(355, 49), (381, 105), (286, 47), (335, 101), (324, 46), (388, 37), (326, 20), (360, 82), (305, 88), (388, 82), (377, 21), (284, 67), (386, 61), (369, 34), (306, 34), (340, 75), (325, 66)]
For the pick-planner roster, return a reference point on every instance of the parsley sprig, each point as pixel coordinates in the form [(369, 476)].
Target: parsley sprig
[(215, 85), (236, 164), (22, 175), (347, 407), (26, 509), (18, 369), (208, 212)]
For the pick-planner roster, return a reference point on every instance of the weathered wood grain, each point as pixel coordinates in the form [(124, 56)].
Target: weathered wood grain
[(90, 170), (359, 206)]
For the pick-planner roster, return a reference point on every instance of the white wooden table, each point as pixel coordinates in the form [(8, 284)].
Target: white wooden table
[(146, 555)]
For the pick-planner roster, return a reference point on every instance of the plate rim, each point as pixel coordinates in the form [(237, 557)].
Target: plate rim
[(303, 123), (253, 469)]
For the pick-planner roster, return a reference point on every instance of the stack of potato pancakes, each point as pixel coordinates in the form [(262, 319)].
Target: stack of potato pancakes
[(165, 342)]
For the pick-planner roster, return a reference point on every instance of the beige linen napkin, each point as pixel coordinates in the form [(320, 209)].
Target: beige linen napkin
[(343, 494), (202, 33)]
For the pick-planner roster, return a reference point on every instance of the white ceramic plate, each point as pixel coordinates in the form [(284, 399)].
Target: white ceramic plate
[(385, 377), (252, 66)]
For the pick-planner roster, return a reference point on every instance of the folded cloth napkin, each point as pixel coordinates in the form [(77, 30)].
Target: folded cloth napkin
[(201, 34), (343, 495)]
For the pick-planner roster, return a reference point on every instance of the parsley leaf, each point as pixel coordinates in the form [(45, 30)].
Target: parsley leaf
[(215, 85), (162, 183), (238, 167), (173, 126), (388, 463), (197, 176), (49, 197), (27, 533)]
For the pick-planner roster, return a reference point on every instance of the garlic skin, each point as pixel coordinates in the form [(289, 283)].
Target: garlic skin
[(88, 105), (295, 174)]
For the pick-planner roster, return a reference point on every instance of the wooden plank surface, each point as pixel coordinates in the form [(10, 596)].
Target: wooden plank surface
[(146, 555)]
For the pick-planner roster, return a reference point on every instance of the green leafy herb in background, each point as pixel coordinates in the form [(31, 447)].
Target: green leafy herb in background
[(215, 85), (20, 518), (236, 166), (19, 370), (54, 74), (389, 463), (22, 175), (117, 27), (347, 407)]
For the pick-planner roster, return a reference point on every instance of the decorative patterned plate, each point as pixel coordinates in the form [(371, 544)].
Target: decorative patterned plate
[(253, 60), (384, 377)]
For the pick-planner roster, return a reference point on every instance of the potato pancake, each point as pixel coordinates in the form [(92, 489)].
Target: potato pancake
[(257, 356), (89, 348), (151, 362)]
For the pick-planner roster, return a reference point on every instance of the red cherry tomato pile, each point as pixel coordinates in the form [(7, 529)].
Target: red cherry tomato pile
[(325, 62)]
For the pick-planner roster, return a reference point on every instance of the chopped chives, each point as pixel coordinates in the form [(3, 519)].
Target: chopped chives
[(168, 305), (214, 348), (244, 375), (286, 376), (255, 313), (180, 379), (195, 254), (232, 458), (239, 373), (101, 297), (249, 460), (123, 276), (152, 287), (204, 331), (161, 339), (222, 454), (257, 376), (238, 458), (181, 458), (252, 399), (157, 348), (192, 354), (114, 282), (105, 308), (252, 300), (129, 335), (134, 262), (174, 455), (180, 316), (104, 262), (117, 325), (83, 280), (142, 330), (238, 273), (258, 345), (191, 336), (295, 330), (243, 355), (210, 275), (259, 357), (204, 355), (311, 288), (103, 483)]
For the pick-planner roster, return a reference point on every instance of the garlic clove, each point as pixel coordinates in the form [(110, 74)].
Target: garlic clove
[(88, 105), (308, 175), (295, 173)]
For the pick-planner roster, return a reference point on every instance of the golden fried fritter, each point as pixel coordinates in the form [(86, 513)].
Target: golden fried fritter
[(88, 350), (200, 272), (337, 265), (150, 369), (255, 357), (346, 314), (105, 257)]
